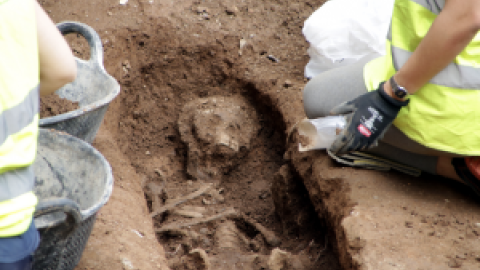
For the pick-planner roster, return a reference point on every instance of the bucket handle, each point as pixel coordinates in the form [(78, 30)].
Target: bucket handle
[(69, 207), (94, 41)]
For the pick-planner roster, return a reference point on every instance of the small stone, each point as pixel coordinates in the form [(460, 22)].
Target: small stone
[(408, 224), (189, 182), (254, 245), (127, 264), (357, 243), (207, 242), (477, 225), (263, 195), (273, 58), (204, 231), (147, 153), (126, 64), (231, 10), (243, 42), (202, 10), (462, 256), (287, 83), (453, 263)]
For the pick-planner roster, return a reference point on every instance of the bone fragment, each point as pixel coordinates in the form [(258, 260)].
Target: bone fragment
[(179, 201)]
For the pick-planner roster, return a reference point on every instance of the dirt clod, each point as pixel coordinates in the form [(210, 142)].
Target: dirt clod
[(454, 263), (52, 105), (304, 140)]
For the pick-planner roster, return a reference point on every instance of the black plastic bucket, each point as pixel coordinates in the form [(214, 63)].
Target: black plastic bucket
[(93, 89), (73, 181)]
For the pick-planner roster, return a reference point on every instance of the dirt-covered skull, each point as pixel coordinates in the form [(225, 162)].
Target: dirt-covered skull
[(218, 132)]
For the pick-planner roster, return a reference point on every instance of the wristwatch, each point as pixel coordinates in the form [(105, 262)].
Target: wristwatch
[(398, 91)]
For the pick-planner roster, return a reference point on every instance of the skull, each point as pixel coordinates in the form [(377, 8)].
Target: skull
[(218, 132)]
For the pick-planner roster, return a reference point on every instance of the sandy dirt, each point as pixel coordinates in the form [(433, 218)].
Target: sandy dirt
[(167, 54)]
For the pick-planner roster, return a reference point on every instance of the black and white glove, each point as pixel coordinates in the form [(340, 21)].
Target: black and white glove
[(367, 119)]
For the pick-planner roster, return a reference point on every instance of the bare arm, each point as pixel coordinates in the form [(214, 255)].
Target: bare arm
[(453, 29), (57, 64)]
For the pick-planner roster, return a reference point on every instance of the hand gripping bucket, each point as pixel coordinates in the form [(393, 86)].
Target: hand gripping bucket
[(93, 89), (73, 181)]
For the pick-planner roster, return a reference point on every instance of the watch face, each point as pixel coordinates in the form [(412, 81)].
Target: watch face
[(400, 92)]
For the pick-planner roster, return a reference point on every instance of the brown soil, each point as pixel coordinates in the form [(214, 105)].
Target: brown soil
[(52, 105), (304, 140), (170, 53), (166, 54)]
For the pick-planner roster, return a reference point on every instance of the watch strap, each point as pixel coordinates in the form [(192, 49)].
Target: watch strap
[(398, 90)]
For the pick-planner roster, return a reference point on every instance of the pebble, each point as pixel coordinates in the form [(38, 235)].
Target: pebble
[(202, 9), (127, 264), (477, 257), (453, 263), (243, 42), (204, 231), (477, 225), (231, 10), (273, 58), (207, 242)]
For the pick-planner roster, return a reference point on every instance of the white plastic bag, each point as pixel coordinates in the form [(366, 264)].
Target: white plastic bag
[(319, 133), (343, 31)]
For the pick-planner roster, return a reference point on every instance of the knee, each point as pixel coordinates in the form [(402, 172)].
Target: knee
[(312, 101)]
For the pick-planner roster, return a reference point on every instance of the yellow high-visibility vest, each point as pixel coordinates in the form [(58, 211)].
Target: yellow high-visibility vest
[(19, 106), (445, 113)]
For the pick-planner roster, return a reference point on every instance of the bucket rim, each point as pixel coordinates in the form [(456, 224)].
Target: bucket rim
[(85, 109), (86, 213), (95, 61)]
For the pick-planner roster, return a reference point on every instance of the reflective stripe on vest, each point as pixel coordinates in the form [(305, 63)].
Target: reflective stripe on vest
[(444, 113), (19, 105), (435, 6)]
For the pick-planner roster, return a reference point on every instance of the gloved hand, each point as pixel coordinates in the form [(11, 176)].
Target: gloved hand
[(368, 118)]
